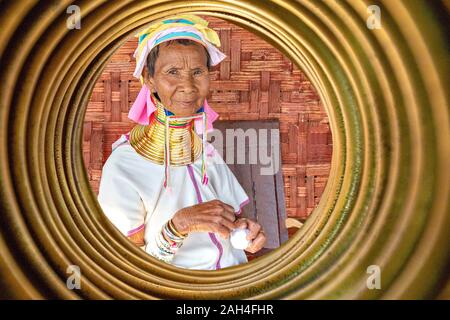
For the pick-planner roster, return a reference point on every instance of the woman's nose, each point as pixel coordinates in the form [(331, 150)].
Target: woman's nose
[(187, 84)]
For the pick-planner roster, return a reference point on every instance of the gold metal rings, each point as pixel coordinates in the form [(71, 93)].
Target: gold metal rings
[(387, 198)]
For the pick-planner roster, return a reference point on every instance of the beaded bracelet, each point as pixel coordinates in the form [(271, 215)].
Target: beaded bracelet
[(173, 239), (163, 244), (163, 256), (171, 245), (168, 241), (164, 252)]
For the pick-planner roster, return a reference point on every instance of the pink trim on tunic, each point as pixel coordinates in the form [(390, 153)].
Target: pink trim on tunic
[(135, 230), (241, 205)]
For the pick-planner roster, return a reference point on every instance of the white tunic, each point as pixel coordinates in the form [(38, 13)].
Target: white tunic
[(133, 197)]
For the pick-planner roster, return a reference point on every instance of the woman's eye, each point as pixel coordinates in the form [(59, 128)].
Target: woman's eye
[(173, 71), (198, 72)]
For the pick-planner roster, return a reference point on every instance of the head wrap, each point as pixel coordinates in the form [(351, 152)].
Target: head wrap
[(177, 27)]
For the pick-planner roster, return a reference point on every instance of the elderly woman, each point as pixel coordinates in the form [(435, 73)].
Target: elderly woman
[(165, 187)]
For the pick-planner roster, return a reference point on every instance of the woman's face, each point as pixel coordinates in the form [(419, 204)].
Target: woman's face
[(181, 77)]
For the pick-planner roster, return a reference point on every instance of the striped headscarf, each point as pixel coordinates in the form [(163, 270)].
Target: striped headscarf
[(186, 26)]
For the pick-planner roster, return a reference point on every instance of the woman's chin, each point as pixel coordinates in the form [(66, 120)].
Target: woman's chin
[(185, 112)]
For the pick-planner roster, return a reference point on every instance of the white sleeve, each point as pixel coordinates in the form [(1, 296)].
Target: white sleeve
[(227, 187), (118, 197)]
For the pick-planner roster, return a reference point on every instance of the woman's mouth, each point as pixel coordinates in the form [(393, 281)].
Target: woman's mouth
[(187, 103)]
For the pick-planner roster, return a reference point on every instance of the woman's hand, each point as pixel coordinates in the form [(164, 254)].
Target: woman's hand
[(138, 238), (256, 234), (212, 216)]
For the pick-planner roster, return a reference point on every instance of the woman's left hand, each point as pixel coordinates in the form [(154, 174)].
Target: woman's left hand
[(256, 235)]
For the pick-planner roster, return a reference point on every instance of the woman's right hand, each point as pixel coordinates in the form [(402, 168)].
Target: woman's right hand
[(212, 216)]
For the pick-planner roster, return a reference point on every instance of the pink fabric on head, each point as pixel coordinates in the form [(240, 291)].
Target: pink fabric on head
[(143, 107), (211, 116)]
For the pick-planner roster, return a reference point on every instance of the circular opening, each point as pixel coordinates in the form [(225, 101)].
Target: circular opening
[(260, 269), (257, 90)]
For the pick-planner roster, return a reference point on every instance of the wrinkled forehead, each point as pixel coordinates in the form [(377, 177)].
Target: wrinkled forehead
[(171, 51)]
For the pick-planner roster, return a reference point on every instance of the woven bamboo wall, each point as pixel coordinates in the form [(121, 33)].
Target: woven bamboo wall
[(255, 82)]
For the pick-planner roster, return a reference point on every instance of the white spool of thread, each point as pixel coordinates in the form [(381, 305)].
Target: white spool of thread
[(238, 238)]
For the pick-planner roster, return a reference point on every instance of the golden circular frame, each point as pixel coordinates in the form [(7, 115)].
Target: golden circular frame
[(386, 202)]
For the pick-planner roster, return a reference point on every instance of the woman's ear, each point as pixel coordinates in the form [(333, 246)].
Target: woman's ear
[(147, 80)]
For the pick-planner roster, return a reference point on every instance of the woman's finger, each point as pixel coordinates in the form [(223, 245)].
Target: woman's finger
[(219, 220), (229, 216), (224, 210), (228, 224), (254, 229), (217, 202), (257, 244), (227, 208), (221, 230)]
